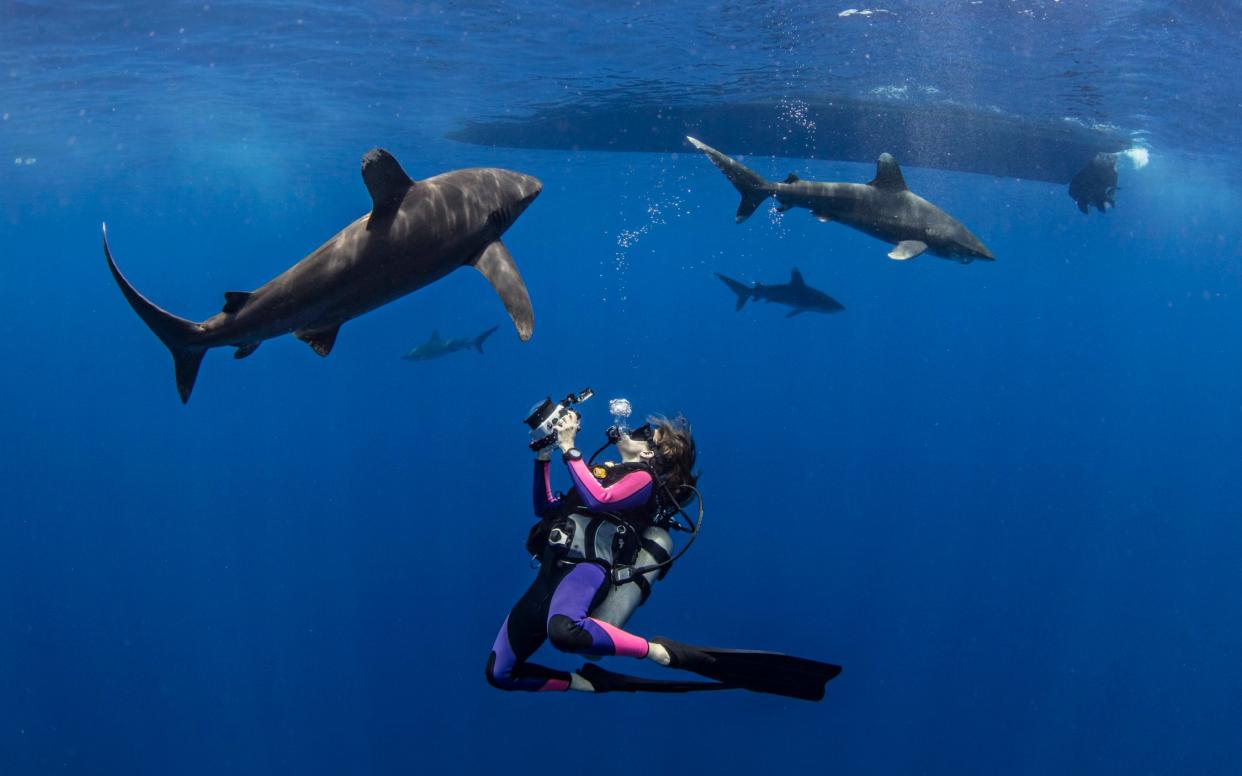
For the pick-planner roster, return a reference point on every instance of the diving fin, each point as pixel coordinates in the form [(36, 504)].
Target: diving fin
[(603, 680), (755, 670)]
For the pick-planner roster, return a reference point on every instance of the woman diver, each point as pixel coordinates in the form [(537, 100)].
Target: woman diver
[(599, 546)]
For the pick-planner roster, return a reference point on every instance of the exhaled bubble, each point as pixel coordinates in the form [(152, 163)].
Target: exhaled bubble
[(664, 207)]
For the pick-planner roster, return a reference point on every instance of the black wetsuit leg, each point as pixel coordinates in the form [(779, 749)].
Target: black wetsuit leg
[(523, 631)]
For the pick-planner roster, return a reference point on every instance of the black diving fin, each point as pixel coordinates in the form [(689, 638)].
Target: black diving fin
[(755, 670), (604, 680)]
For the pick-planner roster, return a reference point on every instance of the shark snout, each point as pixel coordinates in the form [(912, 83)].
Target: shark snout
[(525, 188), (507, 195), (984, 253), (532, 186), (971, 248)]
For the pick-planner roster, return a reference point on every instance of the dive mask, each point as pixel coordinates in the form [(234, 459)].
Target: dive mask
[(644, 433)]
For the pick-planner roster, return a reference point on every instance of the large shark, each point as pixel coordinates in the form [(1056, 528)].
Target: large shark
[(883, 208), (795, 294), (416, 233), (436, 346)]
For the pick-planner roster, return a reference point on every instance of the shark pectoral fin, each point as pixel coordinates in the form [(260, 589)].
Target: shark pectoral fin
[(245, 349), (387, 184), (497, 266), (907, 249), (235, 300), (795, 311), (320, 340)]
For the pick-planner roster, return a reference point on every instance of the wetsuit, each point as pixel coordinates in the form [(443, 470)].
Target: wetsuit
[(556, 606)]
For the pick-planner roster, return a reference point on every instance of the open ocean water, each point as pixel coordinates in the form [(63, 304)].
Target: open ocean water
[(1006, 496)]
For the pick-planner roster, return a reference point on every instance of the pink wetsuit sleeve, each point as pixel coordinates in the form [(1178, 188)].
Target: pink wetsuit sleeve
[(544, 499), (634, 487)]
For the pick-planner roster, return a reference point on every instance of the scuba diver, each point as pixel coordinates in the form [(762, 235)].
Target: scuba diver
[(599, 547)]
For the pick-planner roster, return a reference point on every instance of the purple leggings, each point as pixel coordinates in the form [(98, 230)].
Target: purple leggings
[(554, 609)]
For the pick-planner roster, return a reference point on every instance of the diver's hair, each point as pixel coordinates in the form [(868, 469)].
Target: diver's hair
[(675, 456)]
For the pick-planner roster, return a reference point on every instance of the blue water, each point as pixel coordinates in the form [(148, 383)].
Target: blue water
[(1006, 497)]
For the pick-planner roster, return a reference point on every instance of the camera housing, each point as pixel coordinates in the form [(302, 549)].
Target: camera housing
[(544, 416)]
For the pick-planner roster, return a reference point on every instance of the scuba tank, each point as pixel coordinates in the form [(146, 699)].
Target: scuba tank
[(624, 599)]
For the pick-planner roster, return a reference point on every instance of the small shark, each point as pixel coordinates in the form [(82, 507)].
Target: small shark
[(436, 347), (416, 233), (1096, 183), (883, 208), (795, 294)]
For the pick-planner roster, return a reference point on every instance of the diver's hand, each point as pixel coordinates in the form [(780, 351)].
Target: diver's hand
[(567, 429)]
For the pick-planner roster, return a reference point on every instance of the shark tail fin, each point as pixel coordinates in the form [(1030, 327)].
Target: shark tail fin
[(180, 336), (750, 184), (741, 289), (478, 341)]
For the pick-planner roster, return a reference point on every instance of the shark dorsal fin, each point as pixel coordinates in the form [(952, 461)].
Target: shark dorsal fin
[(888, 174), (791, 178), (386, 182), (435, 336), (234, 301), (795, 278)]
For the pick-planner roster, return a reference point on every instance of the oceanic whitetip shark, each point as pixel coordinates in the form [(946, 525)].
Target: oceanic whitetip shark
[(416, 233), (436, 346), (883, 208), (795, 294)]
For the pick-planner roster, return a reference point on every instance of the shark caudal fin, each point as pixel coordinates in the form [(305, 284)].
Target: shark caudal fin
[(478, 341), (741, 289), (750, 184), (179, 335)]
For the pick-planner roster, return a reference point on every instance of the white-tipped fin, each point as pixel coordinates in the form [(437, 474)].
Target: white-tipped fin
[(320, 340), (888, 174), (907, 249), (750, 184), (497, 266)]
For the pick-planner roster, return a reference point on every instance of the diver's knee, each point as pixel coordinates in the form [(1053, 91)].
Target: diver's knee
[(499, 682), (566, 635)]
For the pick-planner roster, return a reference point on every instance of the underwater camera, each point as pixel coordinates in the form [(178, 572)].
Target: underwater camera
[(544, 416)]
